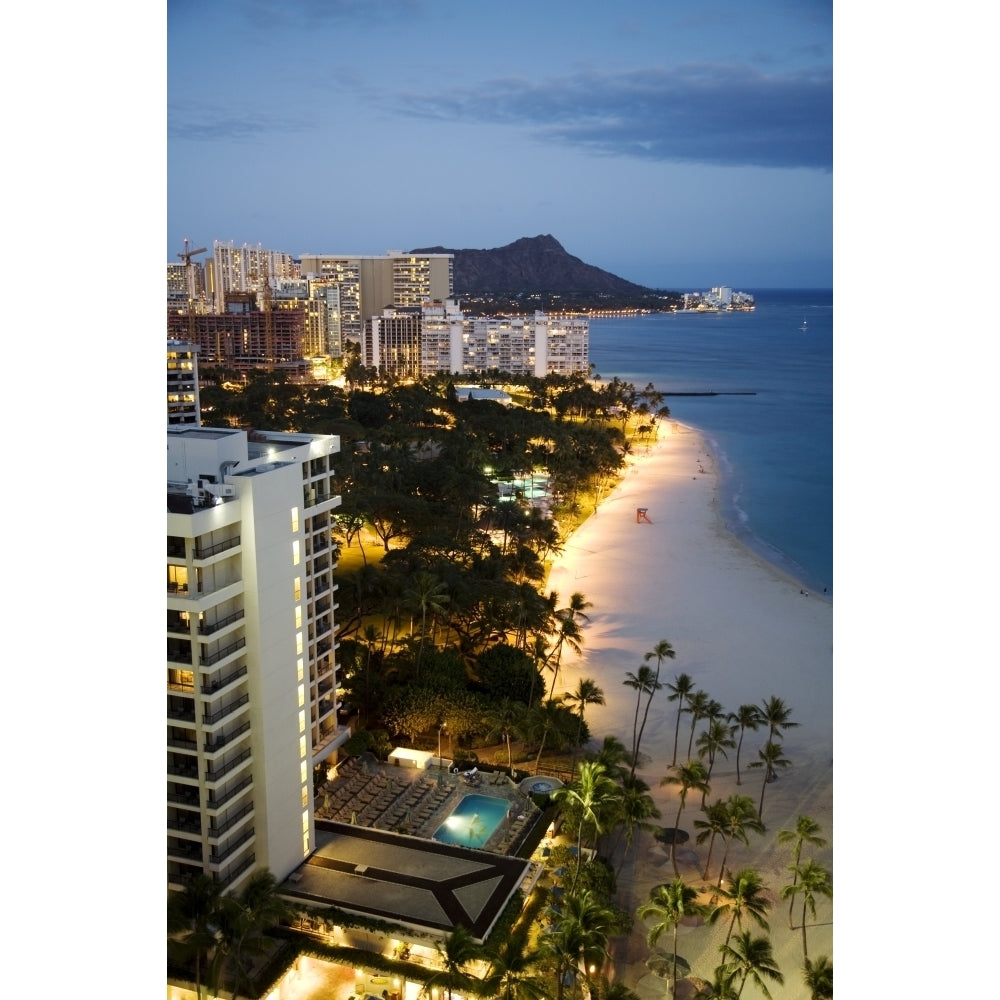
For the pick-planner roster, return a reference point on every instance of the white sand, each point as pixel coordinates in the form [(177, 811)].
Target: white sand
[(744, 632)]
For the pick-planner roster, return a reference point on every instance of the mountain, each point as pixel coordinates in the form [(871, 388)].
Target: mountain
[(531, 264)]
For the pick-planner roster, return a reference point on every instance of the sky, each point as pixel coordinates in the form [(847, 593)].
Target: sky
[(679, 145)]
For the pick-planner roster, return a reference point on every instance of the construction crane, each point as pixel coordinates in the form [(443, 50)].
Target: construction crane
[(186, 256)]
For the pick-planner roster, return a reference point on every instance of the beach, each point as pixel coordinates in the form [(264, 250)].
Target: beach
[(744, 631)]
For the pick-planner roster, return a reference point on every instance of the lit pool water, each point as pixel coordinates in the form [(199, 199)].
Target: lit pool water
[(472, 821)]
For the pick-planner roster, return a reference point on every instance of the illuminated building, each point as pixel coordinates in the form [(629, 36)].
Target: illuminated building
[(183, 405), (251, 648)]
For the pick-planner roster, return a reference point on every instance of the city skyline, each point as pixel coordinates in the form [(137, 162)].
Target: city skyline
[(677, 147)]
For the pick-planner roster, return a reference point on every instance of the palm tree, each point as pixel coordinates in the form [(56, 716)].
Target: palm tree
[(661, 651), (604, 989), (502, 721), (192, 916), (806, 832), (744, 895), (669, 904), (688, 776), (642, 683), (747, 717), (769, 758), (613, 755), (568, 633), (582, 931), (589, 794), (426, 593), (636, 808), (716, 739), (811, 880), (715, 822), (776, 714), (513, 971), (587, 693), (697, 706), (752, 958), (818, 977), (545, 719), (681, 689), (720, 988), (456, 951), (741, 819), (244, 920)]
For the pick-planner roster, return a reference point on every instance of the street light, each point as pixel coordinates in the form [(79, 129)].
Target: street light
[(441, 729)]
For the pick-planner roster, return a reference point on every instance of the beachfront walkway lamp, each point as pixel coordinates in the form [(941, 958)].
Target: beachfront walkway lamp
[(441, 729)]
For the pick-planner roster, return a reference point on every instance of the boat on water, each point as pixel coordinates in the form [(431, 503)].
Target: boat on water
[(804, 327)]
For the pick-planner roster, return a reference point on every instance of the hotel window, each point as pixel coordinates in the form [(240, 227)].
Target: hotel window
[(297, 589), (177, 579), (296, 556), (305, 821), (305, 796), (303, 775), (301, 665), (302, 722), (302, 747), (298, 642), (298, 616), (295, 519), (302, 695)]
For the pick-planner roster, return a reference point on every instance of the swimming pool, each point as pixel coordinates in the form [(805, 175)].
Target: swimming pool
[(472, 821)]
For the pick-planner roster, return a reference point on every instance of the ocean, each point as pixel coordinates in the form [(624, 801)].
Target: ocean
[(774, 449)]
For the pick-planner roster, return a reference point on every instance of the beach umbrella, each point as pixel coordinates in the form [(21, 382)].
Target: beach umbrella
[(662, 964)]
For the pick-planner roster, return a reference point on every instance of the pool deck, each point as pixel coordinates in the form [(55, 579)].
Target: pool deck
[(375, 854), (421, 884)]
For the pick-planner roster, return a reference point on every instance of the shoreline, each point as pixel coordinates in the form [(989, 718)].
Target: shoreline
[(743, 629)]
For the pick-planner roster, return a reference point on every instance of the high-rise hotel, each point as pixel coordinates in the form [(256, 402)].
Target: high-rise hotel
[(251, 647)]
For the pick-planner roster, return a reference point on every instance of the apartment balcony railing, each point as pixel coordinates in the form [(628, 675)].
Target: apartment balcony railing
[(176, 655), (220, 682), (208, 659), (212, 746), (190, 799), (218, 803), (190, 851), (213, 550), (207, 628), (176, 743), (215, 773), (219, 831), (234, 873), (182, 825), (183, 770), (217, 857), (323, 647), (210, 719)]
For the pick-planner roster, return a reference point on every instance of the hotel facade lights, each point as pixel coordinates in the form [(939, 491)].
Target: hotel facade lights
[(183, 399), (449, 343), (251, 648)]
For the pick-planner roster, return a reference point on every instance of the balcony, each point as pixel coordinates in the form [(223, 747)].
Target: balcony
[(183, 769), (219, 831), (218, 803), (178, 712), (213, 550), (183, 825), (178, 654), (213, 746), (213, 774), (208, 628), (210, 719), (217, 857), (207, 659), (219, 683)]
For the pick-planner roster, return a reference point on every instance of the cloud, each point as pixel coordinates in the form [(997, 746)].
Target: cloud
[(714, 114), (193, 120)]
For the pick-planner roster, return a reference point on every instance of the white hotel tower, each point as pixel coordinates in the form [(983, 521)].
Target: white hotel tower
[(251, 666)]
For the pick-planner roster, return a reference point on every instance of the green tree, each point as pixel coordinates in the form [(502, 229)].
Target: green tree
[(680, 690), (811, 880), (244, 920), (426, 594), (192, 916), (568, 631), (715, 823), (741, 820), (642, 683), (514, 971), (668, 904), (582, 930), (503, 720), (776, 715), (768, 758), (744, 896), (458, 950), (587, 693), (587, 796), (752, 958), (636, 809), (687, 776), (660, 652), (716, 739), (746, 717), (806, 831), (697, 707), (818, 977)]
